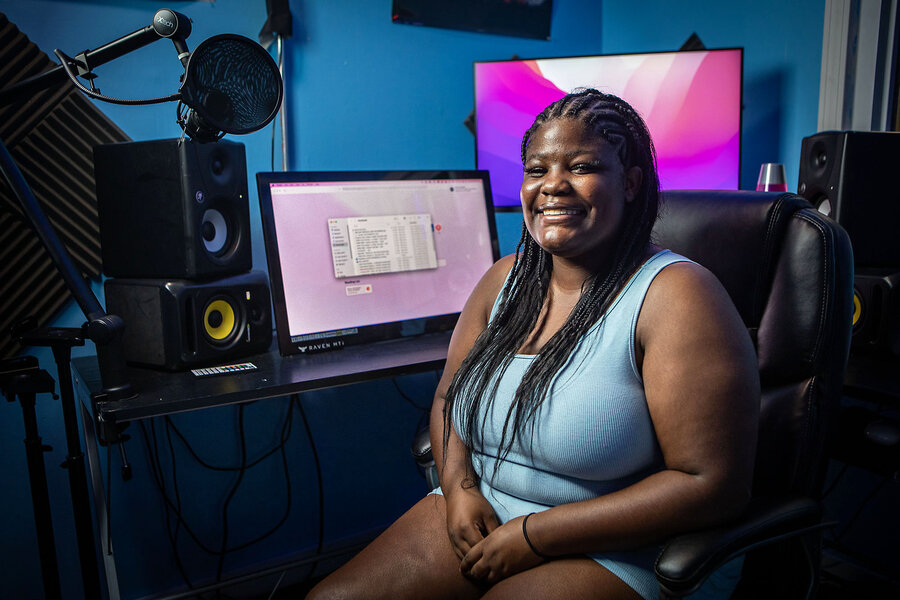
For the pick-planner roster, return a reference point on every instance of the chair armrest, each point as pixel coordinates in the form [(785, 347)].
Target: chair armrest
[(421, 448), (687, 560)]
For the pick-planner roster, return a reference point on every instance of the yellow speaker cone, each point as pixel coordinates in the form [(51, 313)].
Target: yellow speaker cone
[(218, 319), (857, 307)]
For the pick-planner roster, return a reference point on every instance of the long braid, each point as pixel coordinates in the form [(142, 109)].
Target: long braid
[(473, 387)]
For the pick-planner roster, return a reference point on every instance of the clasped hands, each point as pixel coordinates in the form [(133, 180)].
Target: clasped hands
[(488, 551)]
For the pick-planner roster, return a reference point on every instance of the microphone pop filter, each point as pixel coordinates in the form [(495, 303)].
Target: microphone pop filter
[(231, 85)]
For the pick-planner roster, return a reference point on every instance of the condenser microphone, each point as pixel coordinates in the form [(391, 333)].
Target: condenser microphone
[(175, 26)]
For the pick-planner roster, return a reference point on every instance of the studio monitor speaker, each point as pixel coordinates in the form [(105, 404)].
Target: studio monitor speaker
[(178, 323), (876, 311), (850, 176), (173, 209)]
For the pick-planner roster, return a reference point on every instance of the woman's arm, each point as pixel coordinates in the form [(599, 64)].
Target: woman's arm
[(702, 385), (469, 515)]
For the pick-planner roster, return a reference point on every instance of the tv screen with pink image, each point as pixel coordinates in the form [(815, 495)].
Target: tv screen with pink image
[(690, 100), (361, 256)]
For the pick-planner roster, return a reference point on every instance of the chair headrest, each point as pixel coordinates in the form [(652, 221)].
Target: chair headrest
[(734, 234)]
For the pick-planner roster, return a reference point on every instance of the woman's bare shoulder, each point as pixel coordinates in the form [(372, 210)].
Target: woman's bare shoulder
[(685, 301), (491, 284)]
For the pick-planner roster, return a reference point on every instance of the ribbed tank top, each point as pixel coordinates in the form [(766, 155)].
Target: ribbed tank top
[(593, 433)]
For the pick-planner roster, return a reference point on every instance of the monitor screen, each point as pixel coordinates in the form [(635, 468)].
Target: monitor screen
[(360, 256), (691, 101)]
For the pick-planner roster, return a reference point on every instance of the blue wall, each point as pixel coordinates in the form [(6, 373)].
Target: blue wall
[(362, 93)]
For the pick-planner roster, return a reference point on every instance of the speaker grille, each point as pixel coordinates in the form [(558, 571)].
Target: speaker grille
[(50, 136)]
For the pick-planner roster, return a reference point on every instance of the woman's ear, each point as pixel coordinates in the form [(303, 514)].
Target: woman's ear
[(633, 179)]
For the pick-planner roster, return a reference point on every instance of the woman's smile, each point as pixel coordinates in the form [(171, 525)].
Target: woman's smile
[(558, 213)]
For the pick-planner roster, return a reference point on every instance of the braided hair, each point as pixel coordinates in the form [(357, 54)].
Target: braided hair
[(474, 385)]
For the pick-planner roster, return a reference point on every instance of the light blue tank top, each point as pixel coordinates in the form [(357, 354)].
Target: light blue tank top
[(591, 436)]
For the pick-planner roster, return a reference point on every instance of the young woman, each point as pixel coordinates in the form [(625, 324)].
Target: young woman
[(599, 396)]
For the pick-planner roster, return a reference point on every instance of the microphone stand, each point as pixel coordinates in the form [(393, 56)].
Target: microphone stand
[(101, 328), (21, 378), (106, 332)]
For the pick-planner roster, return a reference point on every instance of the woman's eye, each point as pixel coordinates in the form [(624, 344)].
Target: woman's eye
[(534, 171), (584, 168)]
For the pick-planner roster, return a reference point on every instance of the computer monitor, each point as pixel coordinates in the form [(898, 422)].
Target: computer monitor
[(362, 256), (691, 101)]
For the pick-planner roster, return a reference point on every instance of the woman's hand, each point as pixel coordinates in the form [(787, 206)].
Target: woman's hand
[(470, 518), (502, 553)]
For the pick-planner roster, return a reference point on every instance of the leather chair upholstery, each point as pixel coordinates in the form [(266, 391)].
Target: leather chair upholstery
[(789, 271)]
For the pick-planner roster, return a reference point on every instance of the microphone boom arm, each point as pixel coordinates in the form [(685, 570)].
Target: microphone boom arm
[(166, 24)]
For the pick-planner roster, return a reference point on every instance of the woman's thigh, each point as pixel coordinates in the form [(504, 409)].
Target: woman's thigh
[(413, 558), (563, 579)]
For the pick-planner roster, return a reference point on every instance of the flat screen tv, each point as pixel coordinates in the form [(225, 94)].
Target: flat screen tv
[(691, 101), (362, 256)]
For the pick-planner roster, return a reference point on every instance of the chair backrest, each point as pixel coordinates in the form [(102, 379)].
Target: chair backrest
[(789, 271)]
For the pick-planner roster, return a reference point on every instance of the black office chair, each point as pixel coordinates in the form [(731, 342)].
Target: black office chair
[(789, 271)]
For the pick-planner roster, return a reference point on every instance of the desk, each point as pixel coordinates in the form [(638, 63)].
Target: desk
[(160, 393)]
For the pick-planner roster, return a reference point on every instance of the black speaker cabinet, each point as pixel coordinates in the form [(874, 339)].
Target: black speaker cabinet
[(173, 209), (178, 323), (876, 311), (850, 176)]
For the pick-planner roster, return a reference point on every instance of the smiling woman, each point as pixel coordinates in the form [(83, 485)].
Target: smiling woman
[(575, 190), (600, 394)]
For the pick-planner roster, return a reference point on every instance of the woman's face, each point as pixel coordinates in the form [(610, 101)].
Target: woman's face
[(574, 191)]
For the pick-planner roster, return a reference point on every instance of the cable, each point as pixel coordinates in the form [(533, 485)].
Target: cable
[(295, 398), (174, 509), (67, 62), (231, 493), (171, 424), (277, 583), (406, 397), (159, 478), (156, 472), (285, 435)]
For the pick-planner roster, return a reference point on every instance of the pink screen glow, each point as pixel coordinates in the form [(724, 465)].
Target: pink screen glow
[(320, 294), (691, 102)]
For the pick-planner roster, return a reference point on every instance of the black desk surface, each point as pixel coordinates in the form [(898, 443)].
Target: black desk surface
[(161, 392)]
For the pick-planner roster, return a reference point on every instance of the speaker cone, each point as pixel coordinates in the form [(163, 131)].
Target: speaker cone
[(220, 166), (220, 321), (214, 230), (818, 158)]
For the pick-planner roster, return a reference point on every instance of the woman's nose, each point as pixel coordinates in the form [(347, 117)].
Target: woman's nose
[(555, 183)]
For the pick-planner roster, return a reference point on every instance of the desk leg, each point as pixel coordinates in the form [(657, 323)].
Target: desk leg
[(100, 508)]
